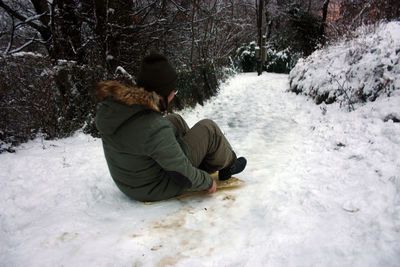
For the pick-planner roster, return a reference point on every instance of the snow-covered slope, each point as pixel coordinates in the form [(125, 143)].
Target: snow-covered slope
[(354, 71), (322, 189)]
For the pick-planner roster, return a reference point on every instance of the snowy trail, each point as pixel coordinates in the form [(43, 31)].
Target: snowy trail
[(322, 189)]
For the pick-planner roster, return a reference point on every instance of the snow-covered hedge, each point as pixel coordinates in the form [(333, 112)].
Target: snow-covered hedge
[(53, 99), (40, 97), (352, 71)]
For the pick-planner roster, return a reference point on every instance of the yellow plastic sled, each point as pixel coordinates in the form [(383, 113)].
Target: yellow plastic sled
[(231, 183)]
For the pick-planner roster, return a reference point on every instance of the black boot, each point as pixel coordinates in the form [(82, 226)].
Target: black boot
[(237, 167)]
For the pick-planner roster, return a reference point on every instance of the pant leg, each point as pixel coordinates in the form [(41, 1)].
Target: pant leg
[(180, 125), (210, 150)]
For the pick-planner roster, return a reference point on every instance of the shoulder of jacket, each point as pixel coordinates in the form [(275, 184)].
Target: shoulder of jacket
[(159, 122)]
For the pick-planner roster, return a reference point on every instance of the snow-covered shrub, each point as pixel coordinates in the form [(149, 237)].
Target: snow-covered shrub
[(27, 102), (245, 58), (352, 71), (225, 68), (39, 98), (76, 107), (279, 61), (53, 99)]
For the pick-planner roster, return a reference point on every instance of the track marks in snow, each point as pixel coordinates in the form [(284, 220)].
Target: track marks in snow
[(187, 231)]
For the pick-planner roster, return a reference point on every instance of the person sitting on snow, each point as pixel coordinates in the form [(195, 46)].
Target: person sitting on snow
[(152, 157)]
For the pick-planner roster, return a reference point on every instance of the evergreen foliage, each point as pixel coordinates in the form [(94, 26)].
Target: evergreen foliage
[(294, 26), (245, 58), (195, 85), (280, 61), (277, 61), (304, 32)]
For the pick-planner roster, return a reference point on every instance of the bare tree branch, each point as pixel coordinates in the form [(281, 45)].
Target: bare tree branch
[(368, 5), (22, 47), (10, 43), (178, 6), (22, 18)]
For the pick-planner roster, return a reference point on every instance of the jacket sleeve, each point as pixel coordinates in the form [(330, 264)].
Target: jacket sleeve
[(163, 147)]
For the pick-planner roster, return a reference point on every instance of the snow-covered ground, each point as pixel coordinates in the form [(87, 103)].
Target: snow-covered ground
[(322, 189)]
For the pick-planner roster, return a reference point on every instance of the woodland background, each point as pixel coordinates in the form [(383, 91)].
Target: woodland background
[(54, 51)]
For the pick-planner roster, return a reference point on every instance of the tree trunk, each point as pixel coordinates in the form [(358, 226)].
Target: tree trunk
[(100, 10), (323, 22), (193, 36), (67, 36), (41, 7), (260, 33)]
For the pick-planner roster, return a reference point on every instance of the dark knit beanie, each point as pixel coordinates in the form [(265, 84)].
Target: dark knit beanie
[(156, 74)]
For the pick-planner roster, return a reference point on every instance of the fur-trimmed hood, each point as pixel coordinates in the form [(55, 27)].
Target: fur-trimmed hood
[(119, 103), (127, 95)]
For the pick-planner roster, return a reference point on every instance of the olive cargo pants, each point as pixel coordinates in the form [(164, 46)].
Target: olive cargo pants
[(209, 149)]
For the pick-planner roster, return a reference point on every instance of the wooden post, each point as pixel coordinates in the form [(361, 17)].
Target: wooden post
[(257, 53), (260, 35), (265, 58)]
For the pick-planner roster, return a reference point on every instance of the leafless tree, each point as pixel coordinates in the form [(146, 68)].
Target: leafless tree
[(354, 13), (113, 33)]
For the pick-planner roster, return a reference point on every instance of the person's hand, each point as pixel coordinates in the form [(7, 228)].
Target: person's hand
[(213, 188)]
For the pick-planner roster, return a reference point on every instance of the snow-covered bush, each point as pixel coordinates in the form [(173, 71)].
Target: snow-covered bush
[(277, 61), (26, 106), (245, 58), (76, 107), (39, 98), (53, 99), (280, 61), (352, 71)]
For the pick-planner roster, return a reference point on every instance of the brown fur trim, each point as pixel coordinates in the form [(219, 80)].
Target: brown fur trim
[(127, 95)]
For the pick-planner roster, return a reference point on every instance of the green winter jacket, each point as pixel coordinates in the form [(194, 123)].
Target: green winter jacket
[(146, 160)]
